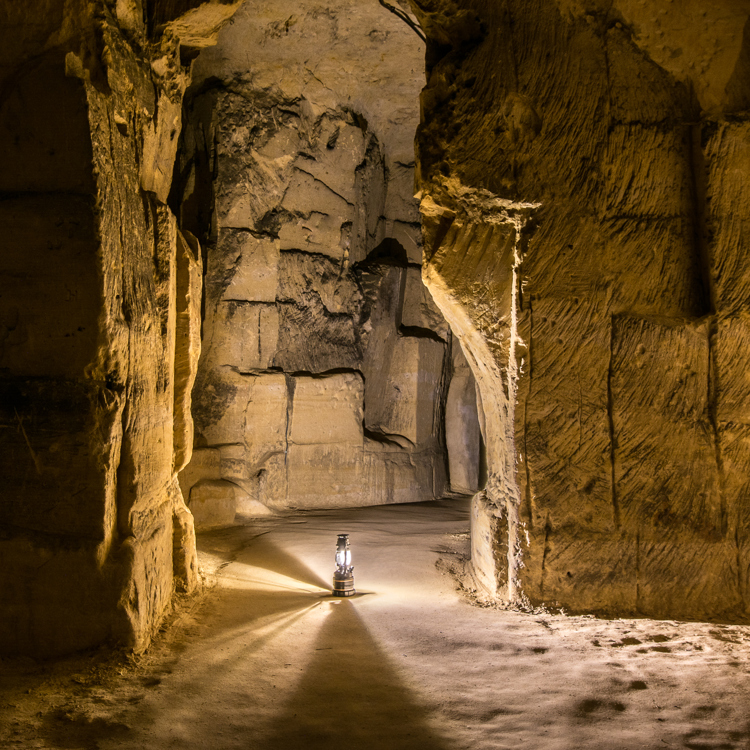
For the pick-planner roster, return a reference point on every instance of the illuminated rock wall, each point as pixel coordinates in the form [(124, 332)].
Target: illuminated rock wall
[(325, 367), (582, 168), (99, 323)]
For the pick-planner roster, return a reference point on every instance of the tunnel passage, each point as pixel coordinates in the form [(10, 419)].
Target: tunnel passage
[(328, 376), (600, 166)]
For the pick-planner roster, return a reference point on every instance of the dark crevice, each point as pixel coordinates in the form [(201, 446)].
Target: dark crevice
[(697, 165), (316, 375), (399, 13), (529, 375), (390, 252), (637, 570), (254, 372), (611, 427), (484, 473), (545, 551), (271, 222), (291, 385), (257, 303), (357, 119), (738, 563), (326, 373), (417, 332), (711, 400), (386, 438)]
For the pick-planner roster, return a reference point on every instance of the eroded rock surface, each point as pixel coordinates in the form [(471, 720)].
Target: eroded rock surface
[(99, 322), (326, 363), (582, 170)]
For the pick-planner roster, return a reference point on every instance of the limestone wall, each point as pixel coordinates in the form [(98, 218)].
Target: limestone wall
[(98, 329), (583, 169), (326, 363)]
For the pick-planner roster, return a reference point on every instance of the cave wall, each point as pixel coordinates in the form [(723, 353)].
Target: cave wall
[(326, 365), (585, 226), (99, 324)]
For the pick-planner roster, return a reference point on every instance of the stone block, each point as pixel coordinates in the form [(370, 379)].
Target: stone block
[(333, 164), (688, 574), (213, 503), (244, 336), (666, 475), (734, 442), (233, 463), (400, 203), (272, 482), (588, 571), (634, 185), (247, 505), (317, 233), (327, 475), (265, 419), (205, 463), (313, 340), (255, 275), (419, 309), (400, 393), (731, 374), (318, 214), (565, 425), (462, 435), (252, 186), (303, 276), (284, 144), (392, 477), (327, 410), (726, 150)]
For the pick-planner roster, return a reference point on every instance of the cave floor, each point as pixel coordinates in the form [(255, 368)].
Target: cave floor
[(266, 658)]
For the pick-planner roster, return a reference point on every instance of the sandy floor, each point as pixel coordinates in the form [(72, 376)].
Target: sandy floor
[(268, 659)]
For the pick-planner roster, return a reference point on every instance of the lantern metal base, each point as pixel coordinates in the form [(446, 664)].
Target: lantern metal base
[(343, 586)]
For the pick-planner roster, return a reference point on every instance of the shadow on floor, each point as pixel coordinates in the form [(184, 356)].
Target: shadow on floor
[(280, 665), (351, 696), (263, 553)]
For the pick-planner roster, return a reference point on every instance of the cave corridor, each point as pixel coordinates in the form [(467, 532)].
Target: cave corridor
[(464, 280)]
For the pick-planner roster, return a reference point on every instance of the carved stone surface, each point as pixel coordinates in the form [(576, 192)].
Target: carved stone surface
[(462, 433), (585, 236), (99, 327), (325, 363)]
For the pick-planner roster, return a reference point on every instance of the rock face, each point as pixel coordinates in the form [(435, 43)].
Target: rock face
[(99, 323), (462, 429), (585, 236), (326, 363), (584, 224)]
